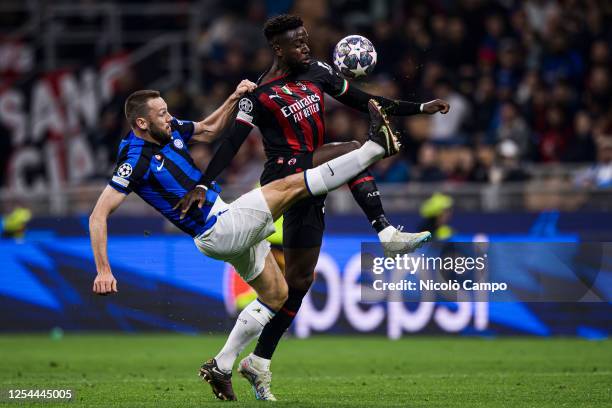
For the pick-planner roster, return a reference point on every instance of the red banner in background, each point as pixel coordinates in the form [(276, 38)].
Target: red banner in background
[(47, 120)]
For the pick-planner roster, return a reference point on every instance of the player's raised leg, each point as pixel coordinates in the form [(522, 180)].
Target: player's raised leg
[(365, 192)]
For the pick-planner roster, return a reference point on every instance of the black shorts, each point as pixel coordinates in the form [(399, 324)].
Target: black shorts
[(304, 222)]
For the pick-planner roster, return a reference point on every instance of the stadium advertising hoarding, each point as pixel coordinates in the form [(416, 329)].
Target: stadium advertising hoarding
[(46, 283)]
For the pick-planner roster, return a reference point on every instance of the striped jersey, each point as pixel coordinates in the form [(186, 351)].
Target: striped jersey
[(289, 109), (162, 175)]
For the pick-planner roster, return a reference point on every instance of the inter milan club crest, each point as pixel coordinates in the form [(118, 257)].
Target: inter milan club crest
[(158, 157), (125, 170), (178, 143)]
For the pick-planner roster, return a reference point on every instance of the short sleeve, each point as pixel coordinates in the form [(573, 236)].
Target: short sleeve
[(184, 127), (248, 110), (130, 169), (331, 81)]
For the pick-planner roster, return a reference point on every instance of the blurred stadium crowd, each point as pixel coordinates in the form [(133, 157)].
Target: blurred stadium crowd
[(529, 83)]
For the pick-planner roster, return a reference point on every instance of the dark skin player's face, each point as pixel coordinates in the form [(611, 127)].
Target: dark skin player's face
[(292, 48)]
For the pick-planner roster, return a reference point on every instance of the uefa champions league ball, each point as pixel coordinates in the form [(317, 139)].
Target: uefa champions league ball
[(355, 56)]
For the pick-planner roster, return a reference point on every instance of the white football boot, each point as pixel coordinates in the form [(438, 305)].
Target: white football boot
[(259, 379), (396, 242)]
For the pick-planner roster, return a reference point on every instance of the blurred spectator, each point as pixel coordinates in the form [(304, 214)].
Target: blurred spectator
[(463, 166), (598, 96), (565, 96), (513, 127), (581, 147), (449, 128), (556, 135), (428, 169), (600, 53), (526, 89), (13, 224), (392, 170), (485, 107), (560, 61), (540, 13), (600, 174), (495, 29), (508, 167), (485, 159), (510, 71)]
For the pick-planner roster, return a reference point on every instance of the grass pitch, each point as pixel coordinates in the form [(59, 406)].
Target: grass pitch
[(118, 370)]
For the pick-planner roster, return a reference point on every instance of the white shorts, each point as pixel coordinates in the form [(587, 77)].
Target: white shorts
[(239, 235)]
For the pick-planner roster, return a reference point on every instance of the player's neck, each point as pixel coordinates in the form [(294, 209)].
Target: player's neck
[(277, 69), (145, 136)]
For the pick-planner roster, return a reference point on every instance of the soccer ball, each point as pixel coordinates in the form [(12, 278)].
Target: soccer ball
[(355, 56)]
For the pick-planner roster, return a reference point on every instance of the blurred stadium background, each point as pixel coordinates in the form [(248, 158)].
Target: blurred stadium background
[(525, 153)]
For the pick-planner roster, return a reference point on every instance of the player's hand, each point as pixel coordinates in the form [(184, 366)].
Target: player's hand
[(197, 195), (243, 87), (437, 105), (105, 284)]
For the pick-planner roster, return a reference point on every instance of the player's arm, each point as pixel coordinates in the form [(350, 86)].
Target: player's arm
[(222, 158), (358, 99), (342, 91), (213, 125), (105, 283)]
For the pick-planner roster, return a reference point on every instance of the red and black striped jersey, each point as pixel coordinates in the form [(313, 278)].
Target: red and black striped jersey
[(289, 109)]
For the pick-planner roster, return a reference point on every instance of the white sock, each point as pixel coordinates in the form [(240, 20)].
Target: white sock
[(386, 234), (337, 172), (260, 363), (249, 325)]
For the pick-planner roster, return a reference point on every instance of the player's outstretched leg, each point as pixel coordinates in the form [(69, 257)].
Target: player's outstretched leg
[(365, 192), (393, 240), (333, 174)]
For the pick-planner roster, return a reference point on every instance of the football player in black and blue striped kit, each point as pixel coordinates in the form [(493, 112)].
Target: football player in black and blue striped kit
[(154, 163), (162, 173)]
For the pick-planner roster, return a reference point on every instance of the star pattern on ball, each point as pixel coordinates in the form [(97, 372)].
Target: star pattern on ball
[(354, 56)]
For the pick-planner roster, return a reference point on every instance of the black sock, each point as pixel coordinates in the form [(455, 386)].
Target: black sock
[(276, 327), (364, 190)]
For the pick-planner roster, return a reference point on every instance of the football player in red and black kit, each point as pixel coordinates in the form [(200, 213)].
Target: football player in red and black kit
[(288, 108)]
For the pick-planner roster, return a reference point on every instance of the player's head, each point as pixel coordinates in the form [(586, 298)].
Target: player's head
[(289, 40), (146, 111)]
